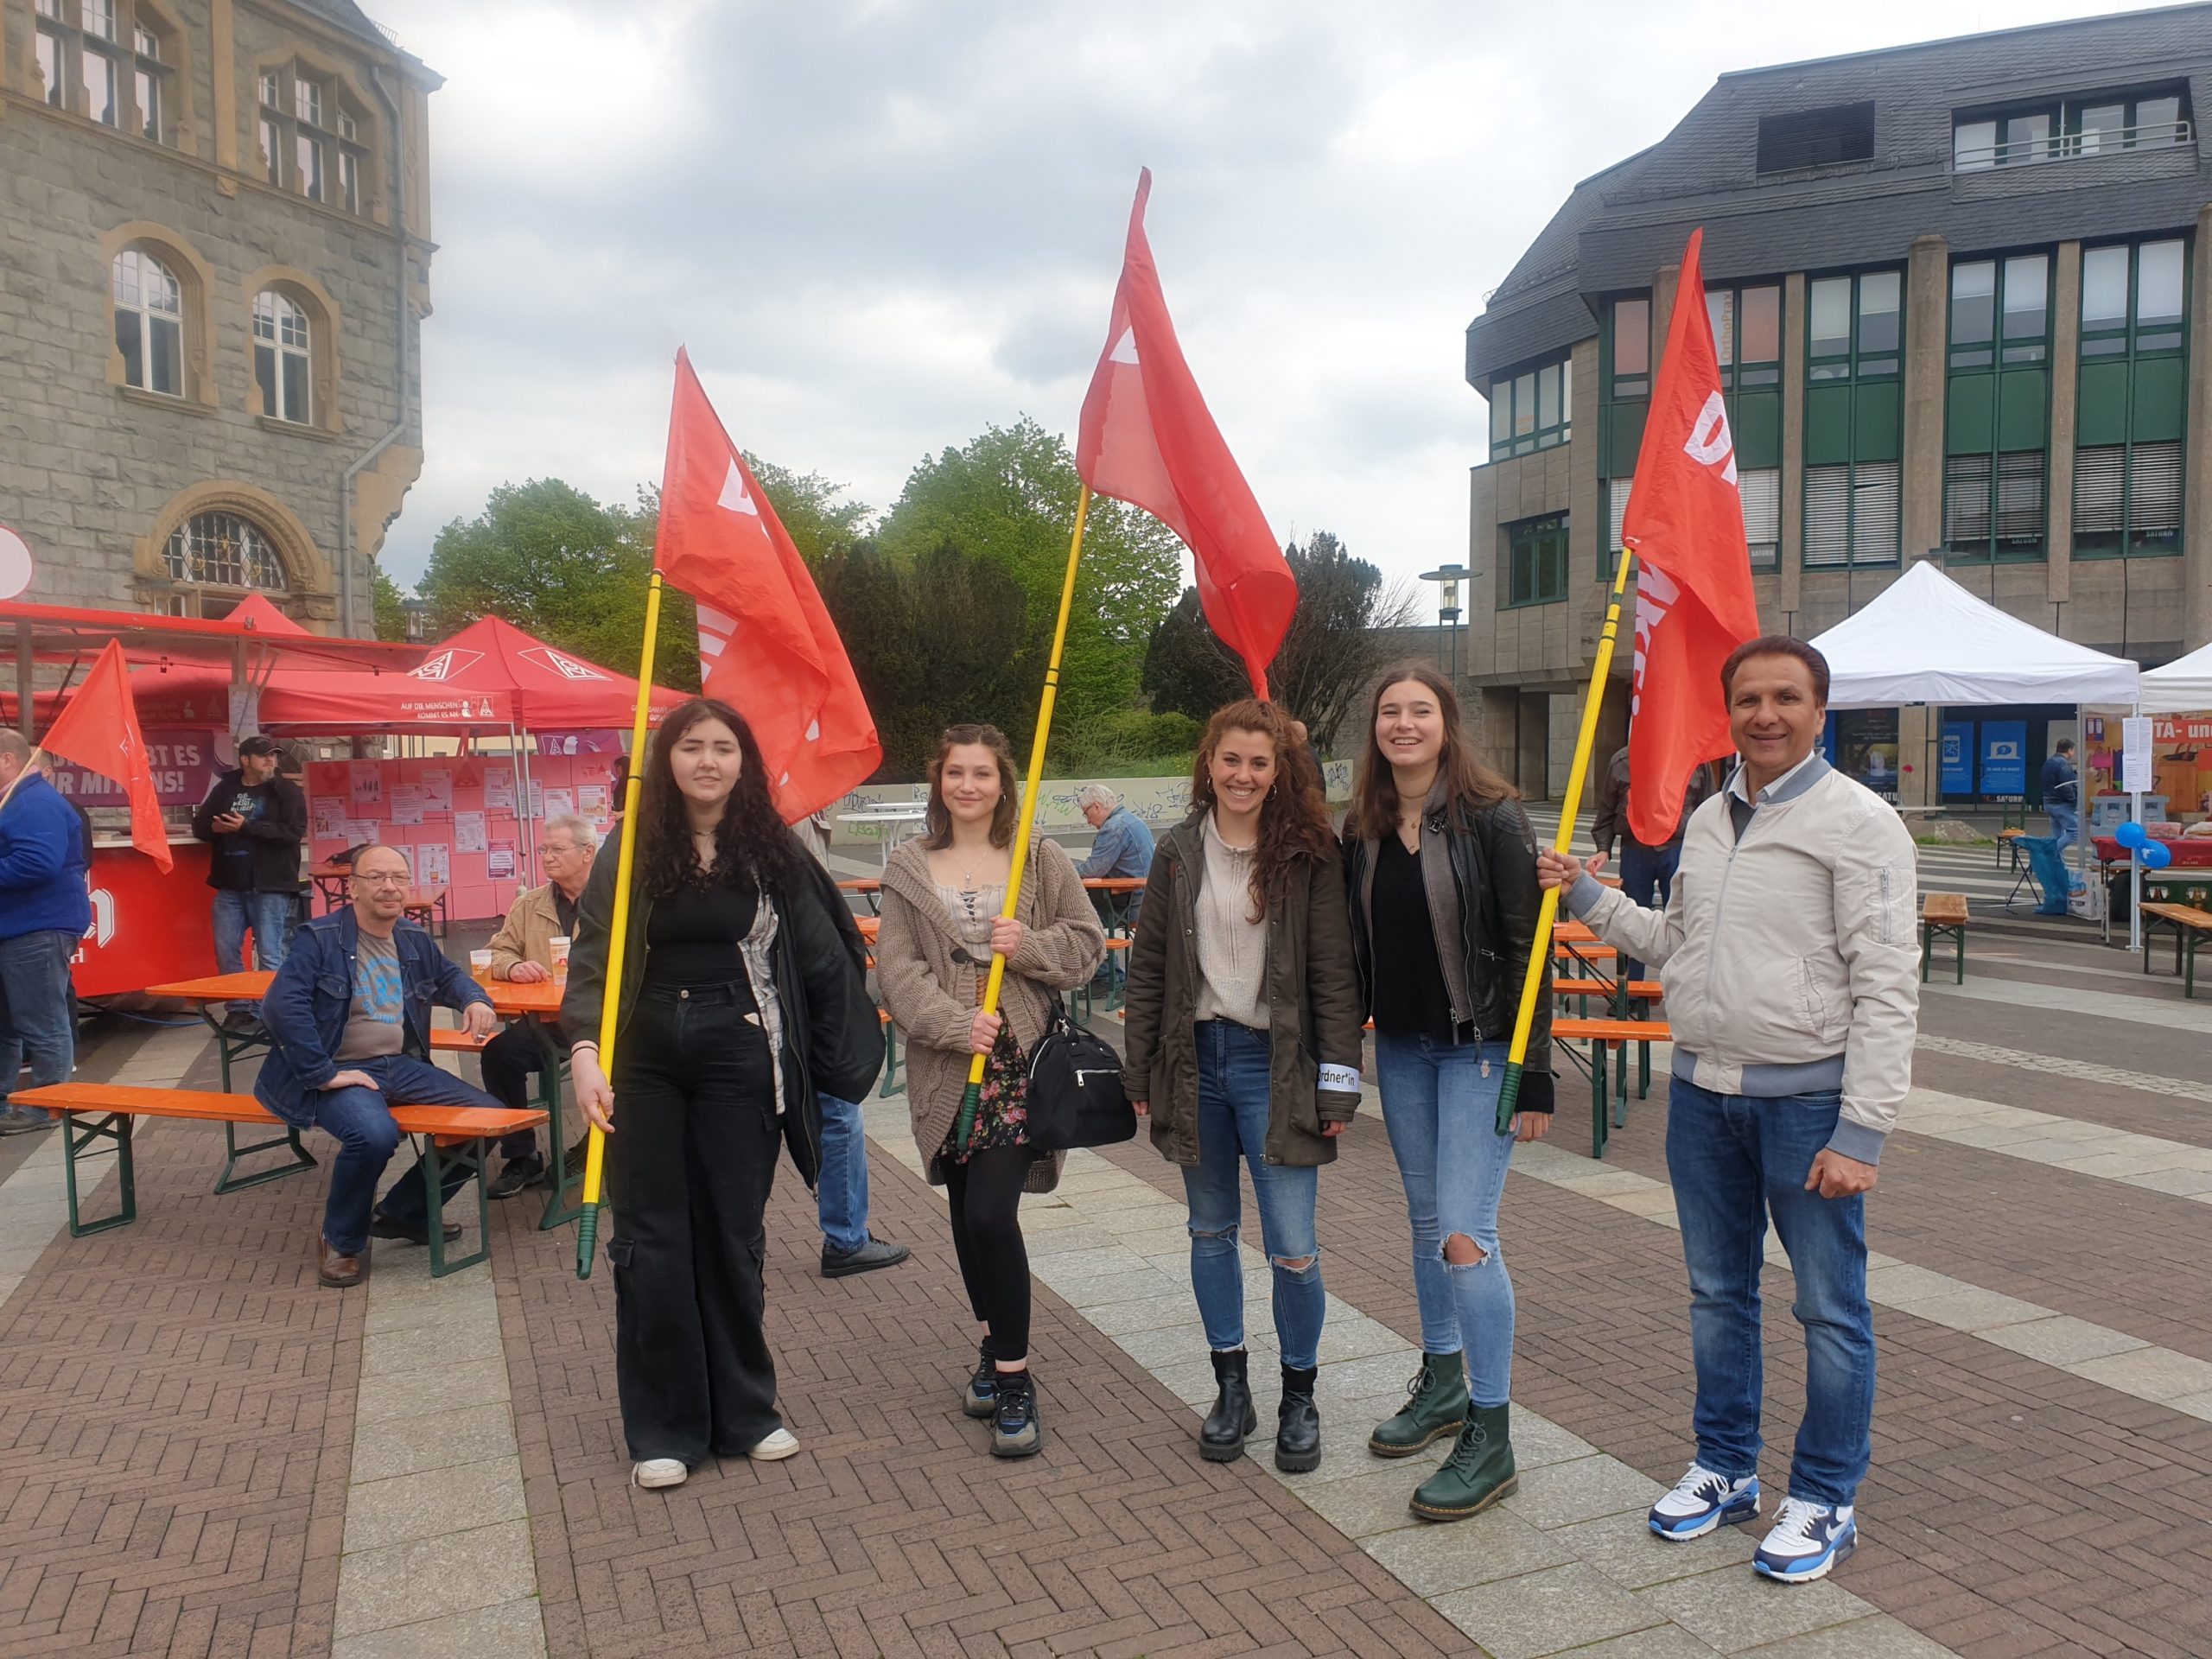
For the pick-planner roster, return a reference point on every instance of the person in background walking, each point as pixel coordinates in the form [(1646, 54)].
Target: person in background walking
[(255, 820), (522, 953), (44, 910), (2062, 794), (1793, 989), (1646, 872), (1243, 1046), (739, 1002), (942, 893), (1441, 867)]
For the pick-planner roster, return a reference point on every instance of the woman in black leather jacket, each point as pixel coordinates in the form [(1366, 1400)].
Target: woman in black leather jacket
[(1442, 869)]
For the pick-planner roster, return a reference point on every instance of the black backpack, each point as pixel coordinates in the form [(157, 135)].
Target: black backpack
[(1075, 1095)]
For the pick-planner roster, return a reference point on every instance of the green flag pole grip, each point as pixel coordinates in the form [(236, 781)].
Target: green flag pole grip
[(1539, 947), (586, 1239)]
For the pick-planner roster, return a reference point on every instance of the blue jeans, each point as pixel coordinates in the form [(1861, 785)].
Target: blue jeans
[(841, 1196), (2065, 824), (1233, 1099), (360, 1120), (36, 1018), (1648, 879), (1734, 1160), (269, 914), (1440, 1103)]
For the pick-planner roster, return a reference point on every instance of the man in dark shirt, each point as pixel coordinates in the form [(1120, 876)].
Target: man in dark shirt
[(255, 820), (522, 951)]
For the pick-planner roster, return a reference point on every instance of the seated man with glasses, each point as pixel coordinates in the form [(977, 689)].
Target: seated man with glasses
[(522, 950), (349, 1022)]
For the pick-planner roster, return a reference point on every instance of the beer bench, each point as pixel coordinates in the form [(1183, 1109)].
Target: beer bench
[(2190, 925), (97, 1112), (1942, 915), (1604, 1036)]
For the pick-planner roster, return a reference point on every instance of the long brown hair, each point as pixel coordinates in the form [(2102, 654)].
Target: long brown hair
[(1470, 785), (939, 820), (751, 843), (1294, 816)]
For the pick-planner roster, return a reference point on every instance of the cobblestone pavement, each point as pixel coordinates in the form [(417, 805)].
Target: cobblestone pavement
[(202, 1453)]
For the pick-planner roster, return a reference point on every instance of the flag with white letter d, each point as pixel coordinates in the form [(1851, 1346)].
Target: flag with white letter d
[(1693, 604)]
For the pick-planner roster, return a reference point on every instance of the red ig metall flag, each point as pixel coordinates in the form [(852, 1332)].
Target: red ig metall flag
[(1694, 605), (766, 645), (99, 731), (1147, 438)]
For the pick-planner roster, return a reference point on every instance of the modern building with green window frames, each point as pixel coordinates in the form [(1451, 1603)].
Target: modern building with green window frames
[(1959, 299)]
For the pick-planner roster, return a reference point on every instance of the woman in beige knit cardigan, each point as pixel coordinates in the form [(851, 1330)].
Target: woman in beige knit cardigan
[(942, 896)]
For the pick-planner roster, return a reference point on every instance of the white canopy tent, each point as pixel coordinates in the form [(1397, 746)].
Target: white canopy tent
[(1929, 640), (2182, 687)]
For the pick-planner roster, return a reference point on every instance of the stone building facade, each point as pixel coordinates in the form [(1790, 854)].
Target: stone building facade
[(214, 250), (1961, 297)]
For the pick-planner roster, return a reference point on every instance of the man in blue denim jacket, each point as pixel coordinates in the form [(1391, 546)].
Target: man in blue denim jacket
[(349, 1016)]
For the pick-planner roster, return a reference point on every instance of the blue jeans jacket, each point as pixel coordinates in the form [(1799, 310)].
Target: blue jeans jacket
[(306, 1007)]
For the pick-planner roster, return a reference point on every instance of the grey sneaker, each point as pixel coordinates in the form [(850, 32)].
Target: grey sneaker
[(23, 1120), (1014, 1431), (837, 1264)]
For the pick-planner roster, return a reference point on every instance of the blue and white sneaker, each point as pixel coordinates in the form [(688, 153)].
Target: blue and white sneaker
[(1808, 1539), (1702, 1501)]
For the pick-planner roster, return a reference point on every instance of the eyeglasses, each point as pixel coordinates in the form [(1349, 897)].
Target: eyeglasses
[(555, 849), (398, 880)]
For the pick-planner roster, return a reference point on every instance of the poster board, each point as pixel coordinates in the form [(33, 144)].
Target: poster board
[(460, 819)]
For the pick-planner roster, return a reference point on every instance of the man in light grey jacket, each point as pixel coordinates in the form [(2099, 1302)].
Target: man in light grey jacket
[(1791, 960)]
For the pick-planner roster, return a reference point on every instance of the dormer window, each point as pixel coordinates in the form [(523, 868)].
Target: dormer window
[(1844, 133), (2098, 123)]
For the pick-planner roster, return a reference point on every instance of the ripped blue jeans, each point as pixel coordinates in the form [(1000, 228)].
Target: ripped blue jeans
[(1441, 1111), (1233, 1109)]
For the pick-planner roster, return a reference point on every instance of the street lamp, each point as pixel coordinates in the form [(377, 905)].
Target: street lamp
[(417, 611), (1448, 578)]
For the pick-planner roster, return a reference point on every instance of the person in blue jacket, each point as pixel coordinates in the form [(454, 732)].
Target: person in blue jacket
[(349, 1019), (44, 910)]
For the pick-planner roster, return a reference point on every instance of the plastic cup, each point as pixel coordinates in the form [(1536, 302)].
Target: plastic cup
[(560, 955), (479, 967)]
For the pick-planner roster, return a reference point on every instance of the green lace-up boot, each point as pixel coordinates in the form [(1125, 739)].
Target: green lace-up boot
[(1436, 1405), (1478, 1472)]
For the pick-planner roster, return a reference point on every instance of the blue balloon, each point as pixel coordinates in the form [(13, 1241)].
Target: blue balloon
[(2156, 856), (2130, 834)]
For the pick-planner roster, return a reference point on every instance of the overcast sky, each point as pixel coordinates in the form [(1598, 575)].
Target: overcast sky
[(881, 225)]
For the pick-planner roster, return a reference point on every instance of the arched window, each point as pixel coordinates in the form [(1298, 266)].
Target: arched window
[(225, 549), (282, 357), (149, 323)]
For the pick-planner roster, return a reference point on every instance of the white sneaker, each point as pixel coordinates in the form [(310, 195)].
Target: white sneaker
[(1703, 1501), (779, 1445), (1808, 1539), (659, 1471)]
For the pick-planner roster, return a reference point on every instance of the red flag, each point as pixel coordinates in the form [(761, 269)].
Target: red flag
[(99, 731), (1146, 439), (1693, 604), (766, 645)]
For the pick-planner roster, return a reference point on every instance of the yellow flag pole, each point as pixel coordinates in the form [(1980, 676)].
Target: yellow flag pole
[(1539, 948), (617, 932), (974, 1095)]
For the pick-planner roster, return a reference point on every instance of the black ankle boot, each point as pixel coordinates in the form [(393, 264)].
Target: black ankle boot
[(1232, 1418), (1297, 1424)]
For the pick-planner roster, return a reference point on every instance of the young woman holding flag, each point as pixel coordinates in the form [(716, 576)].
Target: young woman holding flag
[(1243, 1044), (740, 1000), (942, 893), (1442, 868)]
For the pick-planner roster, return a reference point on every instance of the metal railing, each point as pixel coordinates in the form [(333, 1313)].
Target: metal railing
[(2072, 146)]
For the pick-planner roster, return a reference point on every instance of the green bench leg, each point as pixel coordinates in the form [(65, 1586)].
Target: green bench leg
[(1960, 934), (231, 1181), (1927, 949), (1600, 1127), (565, 1204), (472, 1156), (114, 1129), (891, 1084)]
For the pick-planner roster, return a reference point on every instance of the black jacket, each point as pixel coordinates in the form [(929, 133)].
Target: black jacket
[(832, 1036), (1611, 822), (269, 843), (1494, 867)]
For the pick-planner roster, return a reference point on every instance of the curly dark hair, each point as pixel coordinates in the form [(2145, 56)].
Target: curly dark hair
[(1294, 816), (751, 843)]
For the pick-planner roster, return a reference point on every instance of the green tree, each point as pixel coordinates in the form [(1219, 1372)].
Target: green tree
[(1008, 498), (933, 640), (391, 607), (547, 557), (808, 504), (1334, 648)]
